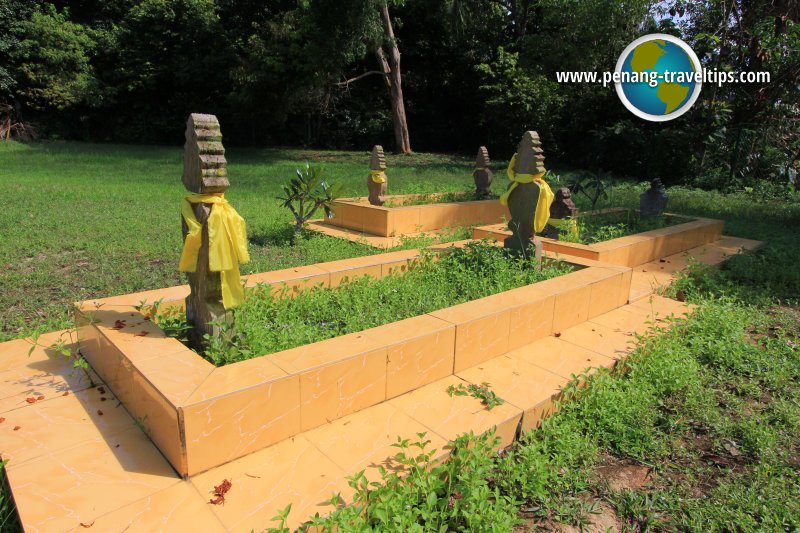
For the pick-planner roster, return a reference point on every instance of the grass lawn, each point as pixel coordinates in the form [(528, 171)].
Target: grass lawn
[(82, 221), (699, 430)]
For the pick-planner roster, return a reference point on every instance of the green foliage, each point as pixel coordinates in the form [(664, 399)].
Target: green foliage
[(171, 319), (9, 520), (12, 12), (124, 242), (482, 392), (268, 322), (516, 98), (414, 494), (591, 185), (672, 406), (53, 57), (434, 198), (600, 227), (307, 193)]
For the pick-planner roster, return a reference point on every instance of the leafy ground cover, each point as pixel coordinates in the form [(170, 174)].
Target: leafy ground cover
[(82, 221), (450, 197), (267, 322), (86, 220), (593, 228), (698, 430), (704, 433)]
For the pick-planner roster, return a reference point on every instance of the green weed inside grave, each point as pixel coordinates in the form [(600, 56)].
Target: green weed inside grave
[(593, 228), (482, 392), (268, 322)]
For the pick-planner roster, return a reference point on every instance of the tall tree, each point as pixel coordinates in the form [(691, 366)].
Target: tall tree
[(343, 32), (53, 60), (394, 81)]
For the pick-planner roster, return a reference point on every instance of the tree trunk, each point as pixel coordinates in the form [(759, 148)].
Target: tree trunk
[(394, 81)]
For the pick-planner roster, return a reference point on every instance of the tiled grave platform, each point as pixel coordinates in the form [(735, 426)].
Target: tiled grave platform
[(631, 250), (358, 215), (78, 460), (376, 241)]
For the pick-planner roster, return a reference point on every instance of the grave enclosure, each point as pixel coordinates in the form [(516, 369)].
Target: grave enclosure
[(204, 418), (201, 416)]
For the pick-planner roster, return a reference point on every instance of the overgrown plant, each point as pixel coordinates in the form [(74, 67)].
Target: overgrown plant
[(68, 348), (590, 185), (307, 193), (171, 319), (482, 392), (268, 321)]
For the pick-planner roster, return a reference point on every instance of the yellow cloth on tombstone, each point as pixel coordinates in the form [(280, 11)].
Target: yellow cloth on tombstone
[(546, 195), (570, 224), (227, 244), (378, 176)]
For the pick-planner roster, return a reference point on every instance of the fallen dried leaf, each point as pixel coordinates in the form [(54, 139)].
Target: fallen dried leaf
[(65, 394), (2, 419), (119, 324), (251, 475), (141, 333), (733, 450), (223, 487), (17, 428), (30, 400), (99, 412), (102, 398), (40, 398), (101, 390), (219, 492), (90, 524), (556, 334)]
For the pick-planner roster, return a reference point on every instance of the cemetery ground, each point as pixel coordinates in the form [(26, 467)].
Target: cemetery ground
[(699, 429)]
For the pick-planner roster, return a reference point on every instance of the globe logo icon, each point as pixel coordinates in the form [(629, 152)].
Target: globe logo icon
[(659, 77)]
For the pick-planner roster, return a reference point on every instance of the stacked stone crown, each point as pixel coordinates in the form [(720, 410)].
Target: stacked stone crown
[(482, 160), (378, 159), (204, 164), (530, 156)]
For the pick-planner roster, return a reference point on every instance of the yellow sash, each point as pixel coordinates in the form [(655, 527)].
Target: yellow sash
[(378, 176), (545, 194), (227, 244)]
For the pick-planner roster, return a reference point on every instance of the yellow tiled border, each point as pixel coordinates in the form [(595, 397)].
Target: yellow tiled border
[(200, 416), (632, 250)]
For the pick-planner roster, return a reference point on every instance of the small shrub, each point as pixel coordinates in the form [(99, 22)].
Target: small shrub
[(307, 193)]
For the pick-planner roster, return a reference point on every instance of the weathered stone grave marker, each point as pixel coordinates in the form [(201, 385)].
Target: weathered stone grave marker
[(377, 181), (563, 214), (482, 174), (215, 237), (653, 201), (528, 197)]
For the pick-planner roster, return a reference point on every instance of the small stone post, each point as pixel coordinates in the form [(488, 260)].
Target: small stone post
[(524, 198), (204, 172), (562, 208), (482, 174), (653, 201), (377, 165)]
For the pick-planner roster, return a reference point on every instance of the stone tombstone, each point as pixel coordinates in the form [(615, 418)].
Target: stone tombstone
[(562, 208), (482, 174), (653, 201), (523, 199), (204, 165), (377, 163), (204, 172)]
